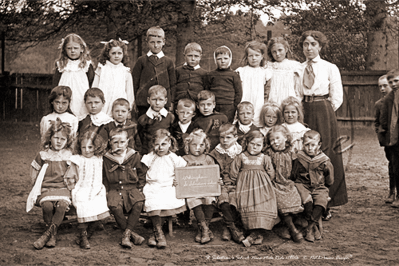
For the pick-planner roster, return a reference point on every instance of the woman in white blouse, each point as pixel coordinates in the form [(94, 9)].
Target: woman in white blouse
[(322, 96)]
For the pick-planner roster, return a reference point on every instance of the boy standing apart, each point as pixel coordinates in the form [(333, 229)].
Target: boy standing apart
[(185, 111), (225, 83), (190, 77), (209, 120), (384, 89), (151, 69), (388, 128), (155, 118)]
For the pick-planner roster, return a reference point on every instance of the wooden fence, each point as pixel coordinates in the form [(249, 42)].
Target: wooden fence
[(24, 97)]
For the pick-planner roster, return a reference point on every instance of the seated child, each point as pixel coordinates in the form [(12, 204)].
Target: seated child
[(185, 111), (124, 178), (190, 77), (208, 120), (253, 173), (94, 101), (157, 117), (313, 173), (89, 195), (289, 202), (270, 115), (225, 83), (293, 116), (196, 148), (60, 101), (224, 154), (245, 114), (160, 194), (52, 189), (120, 114)]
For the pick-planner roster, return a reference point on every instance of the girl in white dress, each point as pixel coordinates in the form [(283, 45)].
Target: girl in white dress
[(74, 69), (160, 194), (285, 74), (293, 116), (112, 77), (254, 76), (60, 101), (89, 195)]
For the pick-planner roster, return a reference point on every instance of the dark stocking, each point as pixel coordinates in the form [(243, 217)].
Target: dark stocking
[(208, 210), (199, 213), (134, 215), (120, 218), (48, 209), (59, 213), (227, 213)]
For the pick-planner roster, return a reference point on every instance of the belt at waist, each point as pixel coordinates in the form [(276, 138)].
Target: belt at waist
[(315, 98)]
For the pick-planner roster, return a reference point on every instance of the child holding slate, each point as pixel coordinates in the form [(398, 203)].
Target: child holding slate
[(196, 146)]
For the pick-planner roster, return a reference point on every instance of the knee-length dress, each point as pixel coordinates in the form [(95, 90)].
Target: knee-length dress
[(288, 198), (89, 195), (255, 196), (159, 192), (198, 161)]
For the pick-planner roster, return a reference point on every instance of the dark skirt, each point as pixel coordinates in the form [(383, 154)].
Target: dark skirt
[(320, 116)]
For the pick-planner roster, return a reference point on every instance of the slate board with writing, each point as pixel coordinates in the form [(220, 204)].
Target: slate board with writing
[(197, 181)]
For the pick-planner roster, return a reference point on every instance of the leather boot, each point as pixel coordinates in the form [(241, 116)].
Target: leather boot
[(226, 236), (205, 233), (250, 239), (208, 222), (151, 241), (84, 242), (39, 244), (236, 234), (199, 234), (137, 239), (160, 237), (52, 241), (309, 231), (126, 239), (317, 233)]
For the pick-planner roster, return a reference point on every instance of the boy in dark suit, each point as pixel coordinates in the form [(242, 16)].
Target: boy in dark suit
[(151, 69)]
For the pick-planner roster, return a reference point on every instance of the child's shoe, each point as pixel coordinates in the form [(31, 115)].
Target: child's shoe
[(39, 244), (296, 235), (258, 240), (309, 233), (285, 233), (84, 241), (302, 222), (236, 234), (208, 222), (199, 234), (160, 237), (205, 238), (317, 233), (137, 239), (126, 239), (151, 241), (226, 236), (52, 241), (250, 239)]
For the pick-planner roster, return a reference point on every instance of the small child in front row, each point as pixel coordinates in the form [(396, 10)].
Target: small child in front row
[(112, 76), (270, 115), (245, 123), (253, 173), (96, 119), (156, 117), (225, 83), (160, 194), (224, 154), (208, 120), (180, 129), (289, 201), (120, 114), (190, 77), (124, 179), (89, 195), (313, 173), (196, 148), (60, 101), (293, 116), (51, 190)]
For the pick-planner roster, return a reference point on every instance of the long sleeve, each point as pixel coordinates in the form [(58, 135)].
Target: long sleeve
[(129, 89), (377, 108), (235, 169), (336, 90), (56, 78), (328, 173), (136, 75), (105, 179), (269, 167), (237, 89), (141, 174), (172, 81)]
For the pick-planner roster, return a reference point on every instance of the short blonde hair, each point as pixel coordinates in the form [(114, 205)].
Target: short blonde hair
[(155, 31), (157, 89), (193, 46), (294, 102), (186, 103)]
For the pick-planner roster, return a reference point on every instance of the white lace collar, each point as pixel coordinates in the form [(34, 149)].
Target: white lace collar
[(100, 119), (111, 65), (51, 155), (73, 65), (232, 152)]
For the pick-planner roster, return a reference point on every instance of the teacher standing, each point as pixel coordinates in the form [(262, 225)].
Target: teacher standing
[(323, 95)]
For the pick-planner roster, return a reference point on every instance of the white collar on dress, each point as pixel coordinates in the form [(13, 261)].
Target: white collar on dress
[(159, 55), (195, 68), (314, 60), (244, 128), (151, 113), (110, 64), (100, 119), (234, 150)]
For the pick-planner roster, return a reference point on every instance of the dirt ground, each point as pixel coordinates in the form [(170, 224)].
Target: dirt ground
[(364, 231)]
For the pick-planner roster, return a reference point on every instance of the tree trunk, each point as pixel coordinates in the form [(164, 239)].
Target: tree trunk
[(184, 31)]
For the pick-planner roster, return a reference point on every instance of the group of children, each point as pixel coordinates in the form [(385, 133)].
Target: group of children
[(271, 165)]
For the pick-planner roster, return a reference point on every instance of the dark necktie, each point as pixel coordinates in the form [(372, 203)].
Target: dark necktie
[(308, 76)]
